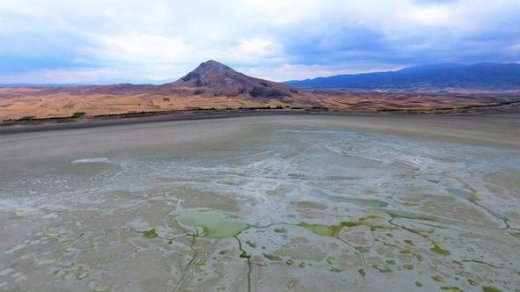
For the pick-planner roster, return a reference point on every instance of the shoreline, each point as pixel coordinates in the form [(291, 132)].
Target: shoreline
[(54, 124), (68, 123)]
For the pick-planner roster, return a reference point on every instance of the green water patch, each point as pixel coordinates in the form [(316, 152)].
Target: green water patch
[(213, 224), (66, 240), (351, 223), (251, 244), (245, 255), (438, 278), (332, 265), (331, 260), (418, 284), (362, 249), (310, 205), (150, 234), (408, 241), (451, 289), (382, 268), (438, 250), (199, 262), (335, 229), (335, 269), (490, 289), (280, 230), (476, 261), (79, 272), (362, 272), (272, 257), (322, 230)]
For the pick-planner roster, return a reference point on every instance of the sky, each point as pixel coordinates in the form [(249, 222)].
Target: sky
[(157, 41)]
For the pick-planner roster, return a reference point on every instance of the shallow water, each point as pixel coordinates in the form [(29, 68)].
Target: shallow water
[(281, 203)]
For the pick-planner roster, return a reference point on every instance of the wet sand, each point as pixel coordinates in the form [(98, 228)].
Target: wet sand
[(299, 202)]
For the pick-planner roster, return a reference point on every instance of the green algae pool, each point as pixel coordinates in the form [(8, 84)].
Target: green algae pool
[(292, 203), (213, 224)]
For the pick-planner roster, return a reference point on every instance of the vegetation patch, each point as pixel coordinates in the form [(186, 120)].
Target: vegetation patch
[(258, 91), (382, 268), (272, 257), (438, 278), (280, 230), (437, 249), (78, 115), (490, 289), (150, 234)]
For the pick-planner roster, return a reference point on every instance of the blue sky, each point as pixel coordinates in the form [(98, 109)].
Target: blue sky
[(154, 41)]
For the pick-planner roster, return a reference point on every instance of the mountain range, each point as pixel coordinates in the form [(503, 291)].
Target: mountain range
[(215, 86), (480, 76)]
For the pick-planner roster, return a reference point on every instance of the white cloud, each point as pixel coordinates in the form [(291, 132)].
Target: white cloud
[(80, 75), (139, 48), (162, 39), (254, 50), (279, 13), (429, 15), (513, 49)]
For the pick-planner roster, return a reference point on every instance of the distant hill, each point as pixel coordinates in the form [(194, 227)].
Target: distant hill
[(481, 76), (209, 79), (212, 78)]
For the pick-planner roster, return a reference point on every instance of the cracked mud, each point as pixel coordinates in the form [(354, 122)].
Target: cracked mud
[(255, 204)]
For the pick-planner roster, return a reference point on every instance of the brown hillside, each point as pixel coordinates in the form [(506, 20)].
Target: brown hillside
[(212, 78), (212, 85)]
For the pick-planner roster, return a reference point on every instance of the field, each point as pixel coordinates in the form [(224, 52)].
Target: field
[(19, 103)]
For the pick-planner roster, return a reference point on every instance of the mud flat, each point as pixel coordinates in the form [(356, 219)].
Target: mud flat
[(266, 203)]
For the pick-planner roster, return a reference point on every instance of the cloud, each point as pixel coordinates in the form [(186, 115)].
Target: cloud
[(64, 76), (137, 48), (433, 2), (157, 40)]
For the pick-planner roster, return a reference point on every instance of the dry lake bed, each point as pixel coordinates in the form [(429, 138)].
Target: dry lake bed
[(273, 203)]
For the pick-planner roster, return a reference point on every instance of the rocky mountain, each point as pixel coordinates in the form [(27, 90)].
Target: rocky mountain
[(212, 78), (483, 76), (209, 79)]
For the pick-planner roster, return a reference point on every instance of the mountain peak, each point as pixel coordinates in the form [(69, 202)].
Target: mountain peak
[(212, 78), (209, 73), (212, 65)]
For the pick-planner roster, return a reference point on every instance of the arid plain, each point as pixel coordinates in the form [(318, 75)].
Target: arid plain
[(215, 86), (264, 203)]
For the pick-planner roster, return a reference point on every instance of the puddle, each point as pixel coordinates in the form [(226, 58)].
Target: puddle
[(212, 224), (92, 160)]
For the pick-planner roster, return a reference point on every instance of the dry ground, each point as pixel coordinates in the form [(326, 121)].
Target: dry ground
[(17, 103)]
